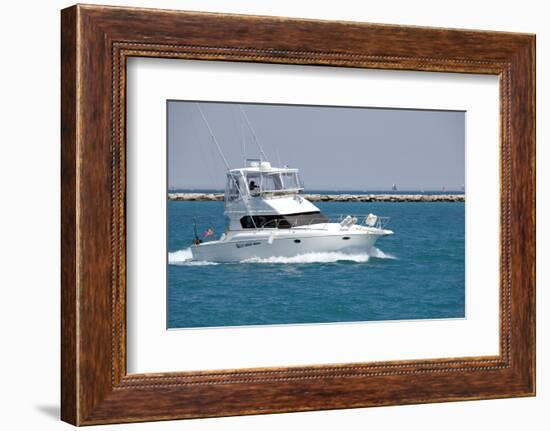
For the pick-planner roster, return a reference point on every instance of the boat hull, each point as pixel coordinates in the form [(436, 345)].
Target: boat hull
[(289, 245)]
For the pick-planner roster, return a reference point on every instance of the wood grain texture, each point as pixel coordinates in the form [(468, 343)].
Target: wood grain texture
[(96, 41), (69, 366)]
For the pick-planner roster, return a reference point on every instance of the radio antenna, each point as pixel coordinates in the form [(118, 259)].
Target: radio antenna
[(253, 133), (213, 137)]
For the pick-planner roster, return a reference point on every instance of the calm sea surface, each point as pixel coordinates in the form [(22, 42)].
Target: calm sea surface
[(418, 273)]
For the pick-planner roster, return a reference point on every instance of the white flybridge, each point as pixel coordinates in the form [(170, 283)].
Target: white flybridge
[(269, 218)]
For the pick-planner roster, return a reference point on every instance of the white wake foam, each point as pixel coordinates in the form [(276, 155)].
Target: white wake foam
[(326, 257), (376, 252), (185, 257)]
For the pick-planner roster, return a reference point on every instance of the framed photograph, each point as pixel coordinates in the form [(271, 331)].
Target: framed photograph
[(267, 215)]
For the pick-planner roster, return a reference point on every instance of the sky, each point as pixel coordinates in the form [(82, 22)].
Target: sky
[(335, 148)]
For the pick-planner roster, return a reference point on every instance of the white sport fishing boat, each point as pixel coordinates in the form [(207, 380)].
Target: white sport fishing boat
[(268, 217)]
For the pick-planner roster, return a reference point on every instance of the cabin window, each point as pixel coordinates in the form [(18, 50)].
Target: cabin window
[(283, 221), (247, 222)]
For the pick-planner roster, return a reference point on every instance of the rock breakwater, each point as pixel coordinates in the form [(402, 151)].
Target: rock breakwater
[(336, 198)]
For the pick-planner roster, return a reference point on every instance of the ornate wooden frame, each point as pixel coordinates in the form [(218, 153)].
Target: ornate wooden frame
[(95, 43)]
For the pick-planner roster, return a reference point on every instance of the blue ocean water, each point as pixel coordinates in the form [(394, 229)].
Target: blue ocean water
[(417, 273)]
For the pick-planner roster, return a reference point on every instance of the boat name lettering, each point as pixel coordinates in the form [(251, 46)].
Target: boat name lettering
[(247, 244)]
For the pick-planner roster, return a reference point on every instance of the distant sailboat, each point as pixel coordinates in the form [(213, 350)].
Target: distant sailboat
[(394, 187)]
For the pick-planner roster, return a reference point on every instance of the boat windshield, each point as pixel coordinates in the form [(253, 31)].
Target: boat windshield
[(257, 183), (283, 221), (273, 182)]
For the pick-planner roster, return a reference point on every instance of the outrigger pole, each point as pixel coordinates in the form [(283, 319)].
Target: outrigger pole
[(253, 133), (213, 137), (223, 158)]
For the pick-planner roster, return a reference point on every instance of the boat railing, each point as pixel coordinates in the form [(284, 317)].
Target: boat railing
[(369, 220), (276, 192)]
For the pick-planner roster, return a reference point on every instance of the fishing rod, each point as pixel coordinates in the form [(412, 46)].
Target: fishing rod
[(197, 239)]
